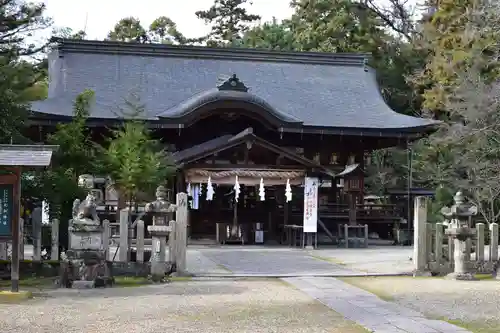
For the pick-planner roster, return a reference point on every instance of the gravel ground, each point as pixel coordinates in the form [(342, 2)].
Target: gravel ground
[(188, 306), (476, 303)]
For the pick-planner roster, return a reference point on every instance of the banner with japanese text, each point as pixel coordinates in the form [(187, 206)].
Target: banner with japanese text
[(311, 204)]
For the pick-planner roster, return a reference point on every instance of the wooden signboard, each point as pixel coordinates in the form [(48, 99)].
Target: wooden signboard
[(6, 210)]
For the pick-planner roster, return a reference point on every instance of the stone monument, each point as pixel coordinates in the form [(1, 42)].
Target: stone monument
[(86, 265), (162, 211), (460, 231)]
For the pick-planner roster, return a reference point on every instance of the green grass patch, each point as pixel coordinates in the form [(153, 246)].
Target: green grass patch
[(131, 281), (34, 282), (357, 282), (475, 326)]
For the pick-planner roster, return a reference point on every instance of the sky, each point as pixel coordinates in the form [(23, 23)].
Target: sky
[(98, 17)]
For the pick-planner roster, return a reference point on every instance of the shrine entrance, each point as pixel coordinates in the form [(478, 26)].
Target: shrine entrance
[(241, 188)]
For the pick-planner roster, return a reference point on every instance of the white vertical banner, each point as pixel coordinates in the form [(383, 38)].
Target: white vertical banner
[(311, 204)]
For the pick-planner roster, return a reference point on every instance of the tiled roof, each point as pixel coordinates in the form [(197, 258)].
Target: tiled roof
[(26, 155), (317, 89)]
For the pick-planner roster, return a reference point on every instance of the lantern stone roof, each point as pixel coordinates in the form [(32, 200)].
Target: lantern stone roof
[(295, 91)]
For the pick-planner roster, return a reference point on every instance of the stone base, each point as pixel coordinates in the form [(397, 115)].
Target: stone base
[(461, 276), (82, 284), (418, 273)]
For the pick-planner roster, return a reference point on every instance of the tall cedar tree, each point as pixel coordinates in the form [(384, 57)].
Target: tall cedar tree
[(229, 20)]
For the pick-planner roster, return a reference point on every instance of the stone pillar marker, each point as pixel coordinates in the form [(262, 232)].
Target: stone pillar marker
[(140, 241), (480, 238), (493, 242), (36, 220), (181, 232), (459, 214), (162, 212), (54, 253), (420, 238), (123, 250), (438, 251)]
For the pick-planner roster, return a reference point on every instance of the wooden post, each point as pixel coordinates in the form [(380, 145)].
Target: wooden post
[(140, 241), (420, 237), (123, 251), (493, 242), (54, 253), (438, 251), (106, 237), (14, 268), (480, 227), (181, 232)]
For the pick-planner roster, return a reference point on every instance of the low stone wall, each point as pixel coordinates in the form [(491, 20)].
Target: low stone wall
[(29, 269)]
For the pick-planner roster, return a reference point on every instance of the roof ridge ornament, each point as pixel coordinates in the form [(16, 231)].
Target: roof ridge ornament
[(232, 83)]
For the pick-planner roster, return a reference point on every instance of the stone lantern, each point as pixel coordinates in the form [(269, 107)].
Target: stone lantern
[(460, 231), (162, 211)]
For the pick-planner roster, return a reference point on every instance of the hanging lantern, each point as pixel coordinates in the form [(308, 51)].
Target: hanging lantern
[(262, 191), (189, 191), (288, 191), (210, 189), (236, 189)]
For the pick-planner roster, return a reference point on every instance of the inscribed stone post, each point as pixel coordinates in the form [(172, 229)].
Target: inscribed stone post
[(181, 232), (140, 241), (123, 251), (480, 238), (420, 237), (54, 253), (493, 241)]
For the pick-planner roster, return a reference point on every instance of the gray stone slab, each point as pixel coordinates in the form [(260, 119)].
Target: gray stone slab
[(270, 262), (79, 284), (368, 310)]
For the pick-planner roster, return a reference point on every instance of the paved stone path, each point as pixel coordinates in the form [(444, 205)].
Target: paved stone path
[(367, 309), (272, 262)]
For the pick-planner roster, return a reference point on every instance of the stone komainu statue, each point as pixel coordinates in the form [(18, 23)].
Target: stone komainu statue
[(85, 211)]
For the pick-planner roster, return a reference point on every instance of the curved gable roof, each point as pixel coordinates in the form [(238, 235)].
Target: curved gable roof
[(318, 89)]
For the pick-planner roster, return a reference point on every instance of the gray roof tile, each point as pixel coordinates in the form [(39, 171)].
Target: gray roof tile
[(25, 155), (325, 90)]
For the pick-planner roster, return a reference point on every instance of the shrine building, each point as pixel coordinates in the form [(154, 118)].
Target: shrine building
[(246, 117)]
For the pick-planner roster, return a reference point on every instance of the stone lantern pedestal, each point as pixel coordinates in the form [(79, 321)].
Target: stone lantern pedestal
[(162, 212), (159, 235), (460, 231), (460, 236)]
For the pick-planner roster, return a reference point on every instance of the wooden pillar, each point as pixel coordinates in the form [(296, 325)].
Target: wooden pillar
[(14, 270)]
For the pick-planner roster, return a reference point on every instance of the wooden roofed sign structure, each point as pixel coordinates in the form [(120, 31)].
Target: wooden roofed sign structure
[(12, 159)]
